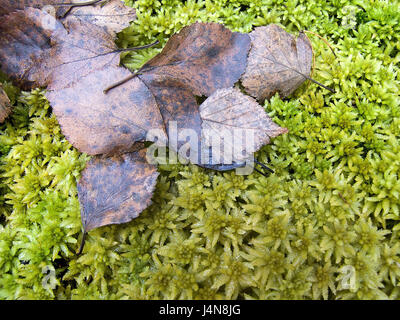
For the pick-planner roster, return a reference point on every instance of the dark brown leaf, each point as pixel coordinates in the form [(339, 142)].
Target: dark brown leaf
[(38, 50), (277, 62), (178, 107), (116, 189), (198, 60), (203, 56), (26, 46), (5, 105)]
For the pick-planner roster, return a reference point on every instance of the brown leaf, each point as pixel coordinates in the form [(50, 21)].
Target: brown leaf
[(77, 66), (98, 123), (115, 189), (277, 62), (203, 56), (85, 49), (178, 107), (198, 60), (5, 105), (113, 16), (26, 46), (8, 6), (38, 50), (83, 64), (238, 122)]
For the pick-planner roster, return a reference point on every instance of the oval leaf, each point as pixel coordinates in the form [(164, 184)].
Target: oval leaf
[(277, 62), (116, 189)]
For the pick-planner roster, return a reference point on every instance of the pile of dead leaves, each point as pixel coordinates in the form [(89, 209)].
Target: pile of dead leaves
[(70, 50)]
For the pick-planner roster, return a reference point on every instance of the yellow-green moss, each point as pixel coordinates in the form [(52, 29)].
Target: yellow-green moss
[(330, 210)]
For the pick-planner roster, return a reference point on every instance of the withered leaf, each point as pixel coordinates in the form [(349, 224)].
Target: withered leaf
[(113, 16), (76, 67), (98, 123), (85, 49), (179, 110), (115, 189), (198, 60), (5, 105), (7, 6), (38, 50), (26, 46), (278, 62), (203, 56), (235, 126)]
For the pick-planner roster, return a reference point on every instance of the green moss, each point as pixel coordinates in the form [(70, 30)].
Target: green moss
[(325, 225)]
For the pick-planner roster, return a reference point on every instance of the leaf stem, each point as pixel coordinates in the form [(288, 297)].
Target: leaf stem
[(139, 48), (106, 90), (82, 243), (323, 39), (264, 166), (77, 4)]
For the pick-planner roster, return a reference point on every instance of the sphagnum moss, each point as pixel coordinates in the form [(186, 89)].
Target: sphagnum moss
[(330, 210)]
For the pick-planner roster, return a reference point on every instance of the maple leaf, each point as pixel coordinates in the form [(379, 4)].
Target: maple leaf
[(5, 105), (278, 62)]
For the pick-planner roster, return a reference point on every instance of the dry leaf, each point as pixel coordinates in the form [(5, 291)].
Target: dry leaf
[(237, 119), (85, 49), (115, 189), (203, 56), (7, 6), (77, 67), (98, 123), (178, 107), (277, 62), (113, 16), (26, 46), (5, 105), (198, 60)]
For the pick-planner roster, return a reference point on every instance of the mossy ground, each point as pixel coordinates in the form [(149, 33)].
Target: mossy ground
[(325, 225)]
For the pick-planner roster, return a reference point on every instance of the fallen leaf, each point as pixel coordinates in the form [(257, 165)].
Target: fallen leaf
[(113, 16), (26, 46), (7, 6), (83, 50), (203, 56), (179, 110), (98, 123), (200, 59), (235, 126), (115, 189), (278, 62), (5, 105)]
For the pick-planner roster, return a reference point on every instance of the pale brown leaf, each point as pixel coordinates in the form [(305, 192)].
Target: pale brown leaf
[(238, 123), (113, 16), (5, 105), (278, 62)]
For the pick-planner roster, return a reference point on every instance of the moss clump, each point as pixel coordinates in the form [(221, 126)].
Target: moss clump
[(324, 226)]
